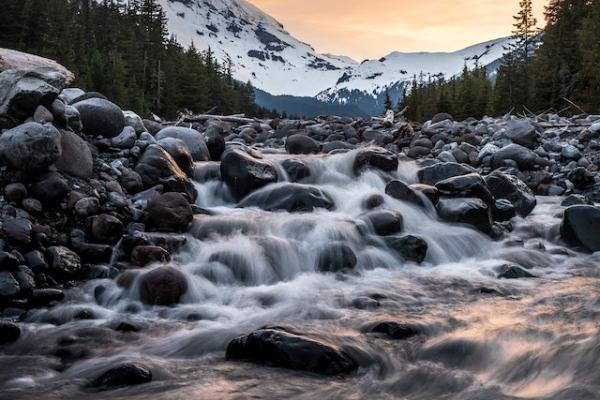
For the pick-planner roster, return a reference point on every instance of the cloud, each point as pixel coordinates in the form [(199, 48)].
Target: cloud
[(373, 28)]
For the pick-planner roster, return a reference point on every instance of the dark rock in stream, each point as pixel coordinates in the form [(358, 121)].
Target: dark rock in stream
[(123, 375), (162, 286), (279, 347)]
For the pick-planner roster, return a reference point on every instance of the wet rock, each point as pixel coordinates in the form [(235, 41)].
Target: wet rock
[(292, 197), (336, 145), (106, 228), (336, 257), (576, 199), (373, 201), (509, 271), (277, 347), (169, 212), (511, 188), (9, 332), (162, 286), (384, 222), (17, 230), (63, 262), (46, 297), (470, 211), (296, 170), (580, 227), (375, 158), (124, 375), (15, 192), (76, 158), (180, 153), (100, 117), (144, 255), (428, 191), (410, 247), (51, 188), (157, 167), (191, 137), (504, 210), (469, 185), (395, 330), (301, 144), (31, 146), (244, 173), (438, 172), (401, 191), (523, 157)]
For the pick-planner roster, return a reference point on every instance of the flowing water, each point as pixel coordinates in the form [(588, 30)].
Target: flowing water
[(482, 338)]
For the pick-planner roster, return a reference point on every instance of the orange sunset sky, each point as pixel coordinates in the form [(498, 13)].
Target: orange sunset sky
[(373, 28)]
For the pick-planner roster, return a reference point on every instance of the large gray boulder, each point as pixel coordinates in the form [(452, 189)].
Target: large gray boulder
[(524, 158), (511, 188), (191, 137), (244, 173), (100, 117), (31, 146)]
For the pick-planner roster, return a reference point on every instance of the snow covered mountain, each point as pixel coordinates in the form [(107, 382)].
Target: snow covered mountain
[(283, 67)]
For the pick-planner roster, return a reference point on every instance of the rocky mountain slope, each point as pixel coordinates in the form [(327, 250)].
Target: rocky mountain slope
[(264, 53)]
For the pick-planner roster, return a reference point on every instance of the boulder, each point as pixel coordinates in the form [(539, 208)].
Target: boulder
[(396, 330), (336, 257), (31, 146), (524, 158), (279, 347), (244, 173), (441, 117), (144, 255), (106, 228), (63, 262), (292, 197), (511, 188), (157, 167), (215, 143), (576, 199), (470, 211), (23, 90), (504, 210), (296, 170), (375, 158), (124, 375), (51, 188), (162, 286), (409, 247), (9, 286), (384, 222), (401, 191), (76, 158), (509, 271), (169, 212), (435, 173), (301, 144), (86, 206), (15, 192), (581, 178), (191, 137), (100, 117), (522, 132), (469, 185), (180, 153), (17, 230), (126, 139), (580, 227), (428, 191), (135, 121)]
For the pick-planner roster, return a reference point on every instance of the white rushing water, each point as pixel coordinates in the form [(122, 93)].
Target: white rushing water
[(483, 338)]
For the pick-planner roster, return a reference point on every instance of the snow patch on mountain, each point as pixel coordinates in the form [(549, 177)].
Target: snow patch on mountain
[(263, 52)]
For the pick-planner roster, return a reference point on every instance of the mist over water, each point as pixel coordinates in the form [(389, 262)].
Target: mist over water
[(482, 337)]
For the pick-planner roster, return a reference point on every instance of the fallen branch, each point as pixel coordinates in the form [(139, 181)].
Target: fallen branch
[(238, 118), (574, 105)]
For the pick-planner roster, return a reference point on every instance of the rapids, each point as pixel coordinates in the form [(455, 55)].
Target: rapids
[(482, 337)]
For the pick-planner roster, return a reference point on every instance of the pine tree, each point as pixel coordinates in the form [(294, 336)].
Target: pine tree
[(387, 102)]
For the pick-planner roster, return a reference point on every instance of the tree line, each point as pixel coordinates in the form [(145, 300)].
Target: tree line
[(122, 49), (551, 70)]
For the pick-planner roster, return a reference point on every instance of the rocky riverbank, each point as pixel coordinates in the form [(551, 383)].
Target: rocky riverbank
[(93, 193)]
